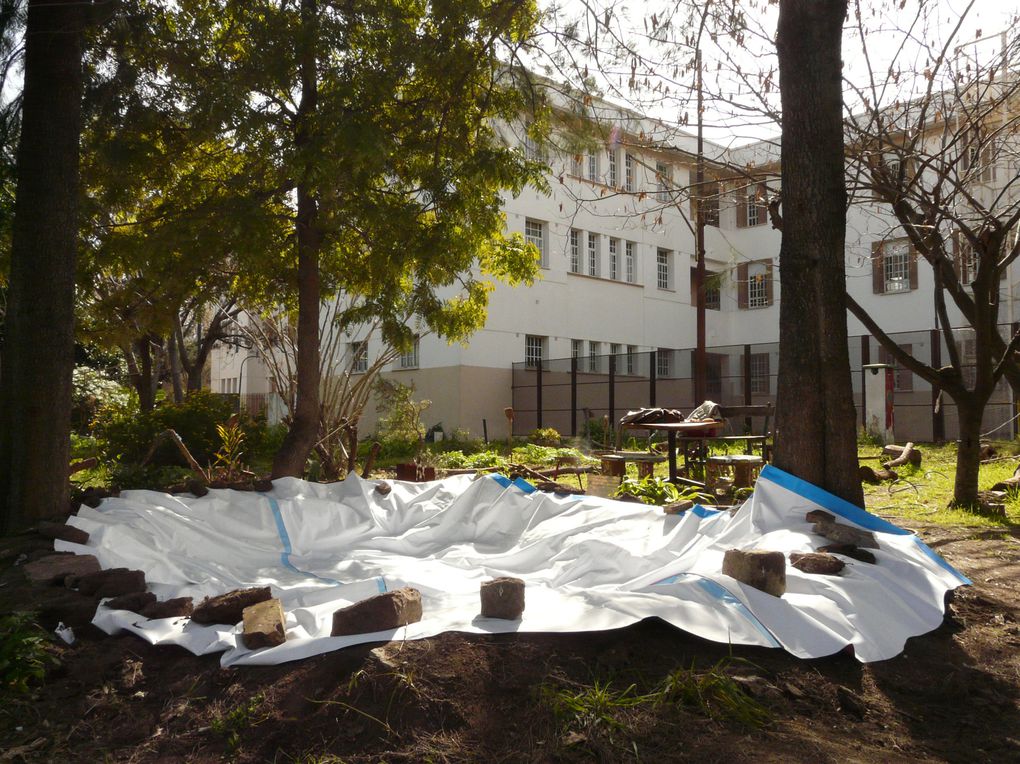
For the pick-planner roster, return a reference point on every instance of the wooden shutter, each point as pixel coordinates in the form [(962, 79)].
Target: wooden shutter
[(877, 269), (912, 258), (742, 286), (742, 207), (768, 282)]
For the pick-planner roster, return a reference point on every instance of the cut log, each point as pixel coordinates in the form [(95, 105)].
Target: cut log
[(112, 582), (869, 475), (179, 607), (57, 567), (905, 454), (229, 607), (817, 562), (135, 601), (383, 612), (63, 532), (502, 598)]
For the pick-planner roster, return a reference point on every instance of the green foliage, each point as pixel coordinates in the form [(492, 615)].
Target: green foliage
[(545, 436), (545, 456), (597, 432), (400, 425), (25, 653), (658, 491), (234, 722), (228, 458), (460, 460), (128, 476), (714, 693), (127, 437), (592, 707), (93, 390)]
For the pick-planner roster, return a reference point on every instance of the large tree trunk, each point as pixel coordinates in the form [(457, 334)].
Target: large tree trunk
[(304, 428), (968, 455), (815, 417), (35, 405)]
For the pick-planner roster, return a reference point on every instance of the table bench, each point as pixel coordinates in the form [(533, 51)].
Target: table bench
[(616, 462)]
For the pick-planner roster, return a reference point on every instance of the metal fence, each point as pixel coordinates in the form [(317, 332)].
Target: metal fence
[(564, 393)]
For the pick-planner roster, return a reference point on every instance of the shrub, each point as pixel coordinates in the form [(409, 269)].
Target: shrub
[(24, 652), (545, 436), (127, 437), (93, 391)]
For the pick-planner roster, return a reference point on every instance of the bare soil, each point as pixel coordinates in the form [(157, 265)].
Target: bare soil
[(952, 695)]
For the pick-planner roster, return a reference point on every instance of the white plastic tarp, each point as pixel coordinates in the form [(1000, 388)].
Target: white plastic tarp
[(588, 563)]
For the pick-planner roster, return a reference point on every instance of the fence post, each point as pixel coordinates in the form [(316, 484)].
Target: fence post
[(865, 360), (747, 375), (653, 369), (612, 392), (938, 418), (573, 396), (538, 392)]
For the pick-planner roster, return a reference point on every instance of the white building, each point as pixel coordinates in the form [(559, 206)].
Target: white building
[(618, 250)]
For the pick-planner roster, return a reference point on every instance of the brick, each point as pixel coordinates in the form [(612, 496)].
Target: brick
[(179, 607), (63, 532), (264, 625), (845, 534), (817, 562), (380, 613), (134, 601), (759, 568), (502, 598), (112, 582), (229, 608), (57, 567)]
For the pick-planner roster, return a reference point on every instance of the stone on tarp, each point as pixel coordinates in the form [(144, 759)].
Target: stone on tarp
[(112, 582), (229, 608), (760, 568), (134, 601), (57, 567), (502, 597), (816, 562), (845, 534), (849, 550), (264, 625), (380, 613), (820, 516), (178, 607), (63, 532)]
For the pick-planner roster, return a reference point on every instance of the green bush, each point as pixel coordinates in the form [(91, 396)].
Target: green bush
[(548, 457), (24, 653), (127, 437), (545, 436), (93, 391), (128, 476)]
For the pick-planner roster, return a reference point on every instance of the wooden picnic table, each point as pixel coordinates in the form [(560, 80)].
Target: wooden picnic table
[(692, 434)]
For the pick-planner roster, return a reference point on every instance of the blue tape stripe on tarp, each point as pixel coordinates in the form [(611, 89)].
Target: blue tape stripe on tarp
[(724, 595), (503, 480), (703, 512), (524, 485), (937, 558), (281, 529), (829, 501)]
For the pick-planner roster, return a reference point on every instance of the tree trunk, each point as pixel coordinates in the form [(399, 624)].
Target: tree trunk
[(35, 404), (968, 456), (175, 367), (304, 428), (142, 375), (815, 417)]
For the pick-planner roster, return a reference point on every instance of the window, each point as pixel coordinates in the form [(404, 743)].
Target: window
[(629, 170), (576, 348), (575, 251), (893, 267), (715, 364), (534, 233), (614, 175), (903, 378), (614, 351), (752, 209), (593, 166), (978, 158), (966, 260), (663, 180), (710, 204), (409, 358), (577, 165), (760, 382), (754, 284), (663, 363), (713, 293), (593, 356), (663, 274), (631, 359), (359, 356), (532, 150), (593, 254), (534, 350), (628, 262), (614, 259)]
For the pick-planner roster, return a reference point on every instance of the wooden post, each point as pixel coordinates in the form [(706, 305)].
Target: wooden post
[(865, 360), (612, 393), (653, 370), (573, 397), (938, 418), (538, 393)]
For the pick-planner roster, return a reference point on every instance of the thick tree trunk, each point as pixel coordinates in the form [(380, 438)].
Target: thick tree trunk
[(141, 374), (968, 456), (815, 417), (175, 367), (304, 428), (35, 405)]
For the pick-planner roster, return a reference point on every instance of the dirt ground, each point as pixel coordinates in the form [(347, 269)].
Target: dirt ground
[(952, 695)]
